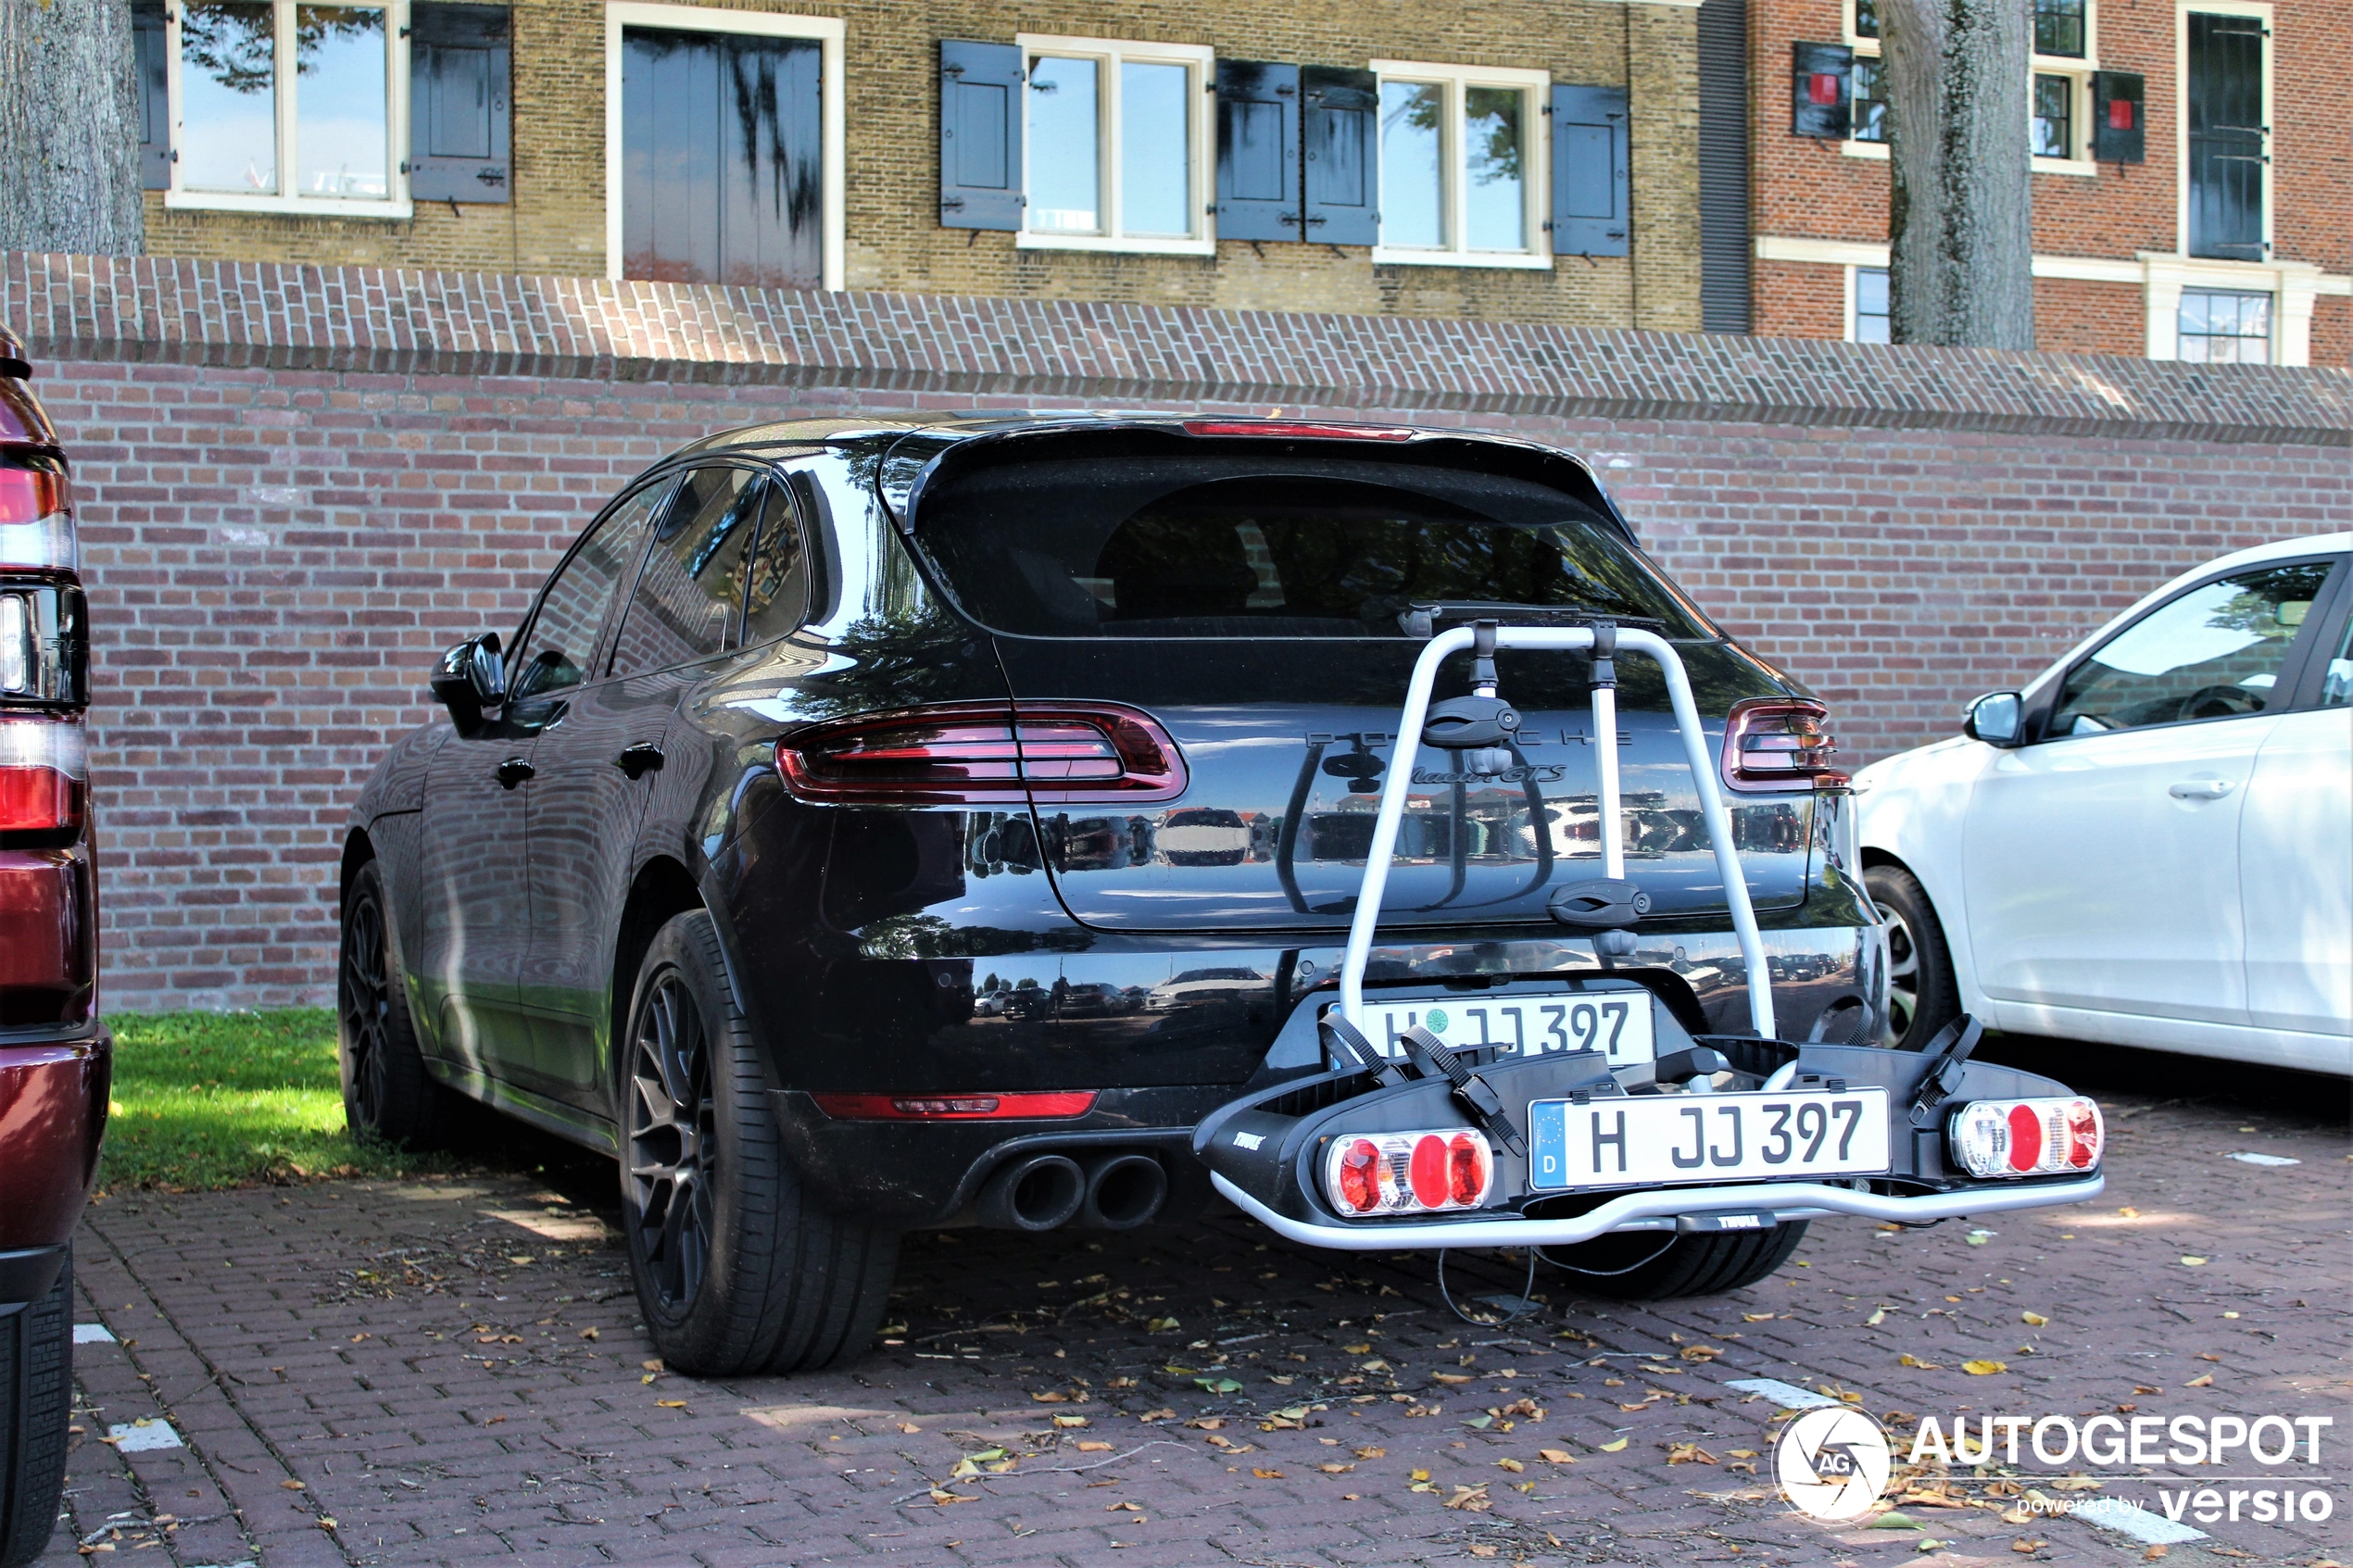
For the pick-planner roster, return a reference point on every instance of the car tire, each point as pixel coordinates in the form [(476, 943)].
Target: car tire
[(1921, 995), (1636, 1267), (36, 1399), (387, 1093), (738, 1269)]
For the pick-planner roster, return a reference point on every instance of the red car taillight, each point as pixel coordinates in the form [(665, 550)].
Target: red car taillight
[(43, 779), (1050, 1104), (1317, 430), (1058, 754), (36, 515), (2027, 1137), (1779, 744)]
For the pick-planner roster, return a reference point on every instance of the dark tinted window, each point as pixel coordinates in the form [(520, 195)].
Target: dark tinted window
[(1213, 546), (779, 593), (684, 604), (556, 650)]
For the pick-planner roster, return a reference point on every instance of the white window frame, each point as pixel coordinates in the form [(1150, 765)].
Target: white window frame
[(393, 207), (1109, 55), (1853, 294), (2259, 11), (829, 31), (1536, 186), (1864, 49)]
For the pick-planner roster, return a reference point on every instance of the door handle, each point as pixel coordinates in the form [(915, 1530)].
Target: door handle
[(2201, 789), (513, 772), (639, 759)]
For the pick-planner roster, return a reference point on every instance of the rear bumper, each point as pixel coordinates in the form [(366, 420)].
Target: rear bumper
[(1765, 1203), (52, 1115)]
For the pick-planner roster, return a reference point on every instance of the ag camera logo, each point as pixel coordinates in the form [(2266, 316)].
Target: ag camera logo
[(1832, 1462)]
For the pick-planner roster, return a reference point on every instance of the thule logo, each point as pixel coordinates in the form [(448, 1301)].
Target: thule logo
[(1247, 1140)]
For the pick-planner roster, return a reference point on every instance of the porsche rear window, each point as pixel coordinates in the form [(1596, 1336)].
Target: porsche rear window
[(1210, 544)]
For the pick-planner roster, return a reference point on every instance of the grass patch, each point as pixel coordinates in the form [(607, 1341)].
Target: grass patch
[(209, 1099)]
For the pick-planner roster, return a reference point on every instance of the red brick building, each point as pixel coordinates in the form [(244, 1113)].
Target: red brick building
[(2193, 185)]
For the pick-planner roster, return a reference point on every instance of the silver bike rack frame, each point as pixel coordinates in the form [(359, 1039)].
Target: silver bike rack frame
[(1400, 783)]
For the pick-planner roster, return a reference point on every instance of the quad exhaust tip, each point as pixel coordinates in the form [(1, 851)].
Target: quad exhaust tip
[(1111, 1191)]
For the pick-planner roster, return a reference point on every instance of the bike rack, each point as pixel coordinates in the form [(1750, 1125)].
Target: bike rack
[(1398, 783)]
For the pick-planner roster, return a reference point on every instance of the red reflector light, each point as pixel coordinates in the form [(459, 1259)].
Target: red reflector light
[(36, 519), (42, 783), (957, 1108), (2026, 1138), (1779, 743), (1061, 753), (1314, 430), (1421, 1172)]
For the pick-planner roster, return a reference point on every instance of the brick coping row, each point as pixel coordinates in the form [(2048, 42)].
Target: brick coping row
[(369, 319)]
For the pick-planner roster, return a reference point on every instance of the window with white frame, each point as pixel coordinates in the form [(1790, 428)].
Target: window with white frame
[(1868, 136), (1115, 136), (2060, 84), (1867, 319), (1463, 165), (286, 106), (2225, 326)]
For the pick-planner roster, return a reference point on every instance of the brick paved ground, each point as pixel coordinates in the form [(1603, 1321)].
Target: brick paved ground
[(449, 1371)]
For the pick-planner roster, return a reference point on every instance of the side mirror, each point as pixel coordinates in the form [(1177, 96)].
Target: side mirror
[(1997, 718), (470, 678)]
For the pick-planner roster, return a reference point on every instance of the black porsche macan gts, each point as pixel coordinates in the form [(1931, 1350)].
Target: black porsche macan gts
[(884, 823)]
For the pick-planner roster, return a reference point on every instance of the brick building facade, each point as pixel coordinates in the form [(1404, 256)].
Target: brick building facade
[(297, 485), (2120, 266), (872, 98)]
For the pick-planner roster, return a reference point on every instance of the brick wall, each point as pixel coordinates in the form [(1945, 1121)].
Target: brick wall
[(557, 221), (1817, 190), (298, 485)]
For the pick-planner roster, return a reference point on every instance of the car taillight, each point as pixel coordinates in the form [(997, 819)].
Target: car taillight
[(1423, 1172), (1315, 430), (1779, 743), (43, 777), (36, 515), (2026, 1138), (1055, 1103), (1060, 754)]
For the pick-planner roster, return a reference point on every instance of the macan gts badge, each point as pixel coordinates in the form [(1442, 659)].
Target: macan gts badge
[(1047, 820)]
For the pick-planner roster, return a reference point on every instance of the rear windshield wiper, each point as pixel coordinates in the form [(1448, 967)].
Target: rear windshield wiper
[(1420, 620)]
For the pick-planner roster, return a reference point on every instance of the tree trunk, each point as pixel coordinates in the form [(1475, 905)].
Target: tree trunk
[(70, 129), (1960, 211)]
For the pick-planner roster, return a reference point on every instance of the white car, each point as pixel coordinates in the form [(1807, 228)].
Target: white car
[(2150, 845)]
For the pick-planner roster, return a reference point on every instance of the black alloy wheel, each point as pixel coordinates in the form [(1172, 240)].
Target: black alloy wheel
[(1921, 995), (387, 1093), (740, 1268), (673, 1141)]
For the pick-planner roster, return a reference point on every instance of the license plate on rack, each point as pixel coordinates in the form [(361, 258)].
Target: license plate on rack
[(1653, 1141), (1616, 1023)]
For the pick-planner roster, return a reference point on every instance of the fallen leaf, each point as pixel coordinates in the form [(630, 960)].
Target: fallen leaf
[(358, 1337), (1119, 1507), (1476, 1549), (1756, 1317), (2076, 1484), (1051, 1396), (1219, 1385), (2144, 1389), (1984, 1369), (1163, 1413), (1613, 1447), (1688, 1453), (1356, 1349), (1371, 1453), (1265, 1474), (2128, 1212), (1207, 1423), (1159, 1325), (2033, 1320), (1556, 1456), (1471, 1499), (1094, 1447), (909, 1427), (1335, 1469), (943, 1498), (1693, 1353), (295, 1485), (1511, 1464), (671, 1404), (1906, 1360), (2194, 1262), (589, 1333), (1894, 1521), (1449, 1377), (1740, 1453), (2154, 1554), (2203, 1356), (1873, 1321), (2207, 1381)]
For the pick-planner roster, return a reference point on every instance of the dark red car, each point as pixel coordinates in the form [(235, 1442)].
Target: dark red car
[(54, 1054)]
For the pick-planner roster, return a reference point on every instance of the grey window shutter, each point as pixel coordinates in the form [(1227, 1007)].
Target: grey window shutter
[(979, 135), (1724, 220), (459, 93), (1821, 91), (2120, 110), (149, 61), (1342, 177), (1593, 172), (1258, 151)]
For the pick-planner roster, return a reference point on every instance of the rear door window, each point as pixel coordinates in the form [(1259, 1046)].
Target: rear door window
[(691, 590), (1226, 545)]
